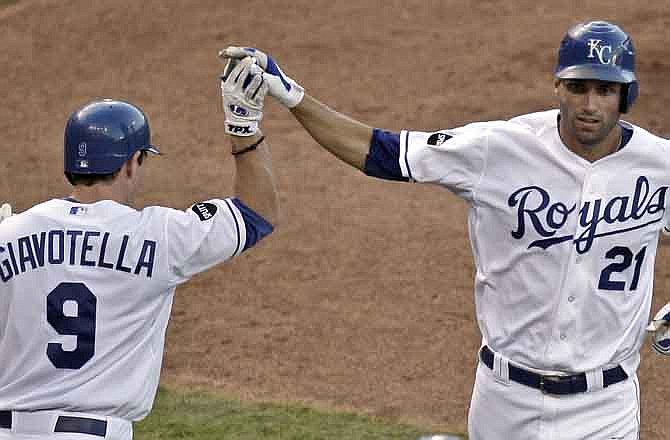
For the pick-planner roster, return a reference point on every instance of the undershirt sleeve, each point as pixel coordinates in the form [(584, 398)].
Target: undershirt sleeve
[(382, 159)]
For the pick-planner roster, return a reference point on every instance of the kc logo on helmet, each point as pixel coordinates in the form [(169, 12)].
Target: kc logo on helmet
[(604, 53)]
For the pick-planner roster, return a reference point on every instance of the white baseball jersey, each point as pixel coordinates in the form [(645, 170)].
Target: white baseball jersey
[(85, 295), (564, 248)]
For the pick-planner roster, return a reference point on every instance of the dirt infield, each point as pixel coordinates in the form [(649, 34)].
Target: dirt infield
[(363, 298)]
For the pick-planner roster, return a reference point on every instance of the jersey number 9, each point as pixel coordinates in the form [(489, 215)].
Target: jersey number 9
[(82, 325)]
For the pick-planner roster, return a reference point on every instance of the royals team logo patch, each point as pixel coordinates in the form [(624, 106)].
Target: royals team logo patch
[(204, 211), (437, 139)]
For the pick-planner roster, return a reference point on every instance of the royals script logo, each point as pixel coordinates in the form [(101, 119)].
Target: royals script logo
[(546, 217)]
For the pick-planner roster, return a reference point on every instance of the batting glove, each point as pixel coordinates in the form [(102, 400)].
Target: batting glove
[(5, 211), (243, 91), (660, 331), (281, 87)]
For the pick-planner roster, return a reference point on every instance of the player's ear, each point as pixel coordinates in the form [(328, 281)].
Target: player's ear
[(133, 164), (557, 82)]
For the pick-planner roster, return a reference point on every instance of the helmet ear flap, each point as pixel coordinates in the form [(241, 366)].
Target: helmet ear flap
[(629, 93)]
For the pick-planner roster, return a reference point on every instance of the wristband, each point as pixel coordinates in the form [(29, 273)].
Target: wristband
[(249, 148)]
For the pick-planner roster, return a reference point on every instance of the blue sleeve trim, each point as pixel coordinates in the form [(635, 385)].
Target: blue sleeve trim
[(409, 170), (256, 226), (237, 228), (383, 159)]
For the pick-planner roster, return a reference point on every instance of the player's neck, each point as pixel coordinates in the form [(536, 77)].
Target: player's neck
[(592, 152), (98, 192)]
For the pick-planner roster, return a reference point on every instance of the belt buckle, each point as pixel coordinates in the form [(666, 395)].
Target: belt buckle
[(549, 378)]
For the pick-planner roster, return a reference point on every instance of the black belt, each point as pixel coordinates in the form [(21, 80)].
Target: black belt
[(78, 425), (573, 384)]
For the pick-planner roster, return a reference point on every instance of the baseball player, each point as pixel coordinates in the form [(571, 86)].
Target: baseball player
[(87, 282), (566, 206)]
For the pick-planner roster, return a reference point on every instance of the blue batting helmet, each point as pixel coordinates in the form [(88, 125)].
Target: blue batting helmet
[(102, 135), (603, 51)]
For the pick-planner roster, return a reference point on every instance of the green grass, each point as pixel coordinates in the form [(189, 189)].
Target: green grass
[(7, 2), (203, 416)]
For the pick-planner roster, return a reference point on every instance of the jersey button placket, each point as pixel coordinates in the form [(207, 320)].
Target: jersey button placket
[(566, 309)]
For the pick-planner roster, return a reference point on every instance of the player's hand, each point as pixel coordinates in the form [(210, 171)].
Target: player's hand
[(5, 211), (660, 331), (281, 87), (243, 93)]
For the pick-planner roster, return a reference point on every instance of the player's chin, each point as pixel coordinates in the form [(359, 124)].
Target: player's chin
[(589, 139), (589, 134)]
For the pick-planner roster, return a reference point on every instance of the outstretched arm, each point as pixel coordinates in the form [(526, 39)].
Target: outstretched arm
[(346, 138)]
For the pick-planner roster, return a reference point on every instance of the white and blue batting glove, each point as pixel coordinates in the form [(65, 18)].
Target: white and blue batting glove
[(281, 87), (243, 91), (5, 211), (659, 327)]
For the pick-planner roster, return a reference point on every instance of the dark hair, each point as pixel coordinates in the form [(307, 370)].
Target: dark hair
[(89, 179), (92, 179)]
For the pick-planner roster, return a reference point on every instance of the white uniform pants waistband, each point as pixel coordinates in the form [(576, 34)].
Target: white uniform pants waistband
[(595, 379), (48, 423)]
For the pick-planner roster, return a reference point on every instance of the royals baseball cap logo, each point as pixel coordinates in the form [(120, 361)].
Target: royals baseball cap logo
[(603, 53)]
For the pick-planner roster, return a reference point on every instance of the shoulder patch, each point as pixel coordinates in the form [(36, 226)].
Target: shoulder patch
[(204, 211), (437, 139)]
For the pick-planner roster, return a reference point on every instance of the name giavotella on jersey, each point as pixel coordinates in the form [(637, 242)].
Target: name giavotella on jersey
[(74, 247)]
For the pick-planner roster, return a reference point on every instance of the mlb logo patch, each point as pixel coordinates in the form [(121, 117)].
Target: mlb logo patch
[(78, 210), (82, 163)]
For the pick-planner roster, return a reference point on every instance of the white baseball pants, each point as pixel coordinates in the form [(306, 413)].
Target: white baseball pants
[(506, 410)]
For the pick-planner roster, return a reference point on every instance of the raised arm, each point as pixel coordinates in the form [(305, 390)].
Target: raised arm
[(346, 138), (243, 91)]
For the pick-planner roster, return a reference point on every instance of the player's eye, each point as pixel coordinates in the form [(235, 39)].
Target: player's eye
[(607, 89), (575, 87)]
